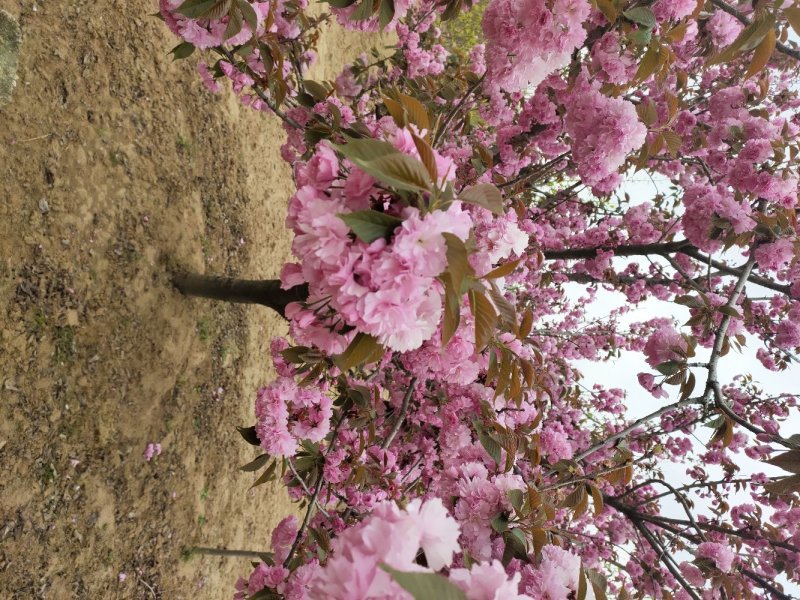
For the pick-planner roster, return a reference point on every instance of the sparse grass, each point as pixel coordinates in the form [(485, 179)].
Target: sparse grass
[(184, 144), (47, 473), (205, 246), (65, 344), (116, 157), (205, 328), (38, 323), (201, 520), (204, 494)]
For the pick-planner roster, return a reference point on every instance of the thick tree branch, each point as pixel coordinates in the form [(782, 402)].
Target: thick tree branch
[(735, 271), (664, 249), (722, 331), (623, 250)]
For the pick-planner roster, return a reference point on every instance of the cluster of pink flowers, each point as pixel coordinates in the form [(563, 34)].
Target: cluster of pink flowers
[(529, 39), (664, 345), (287, 414), (385, 288), (208, 33), (393, 537), (604, 131)]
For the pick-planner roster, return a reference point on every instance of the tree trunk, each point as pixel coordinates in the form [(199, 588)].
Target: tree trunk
[(266, 292)]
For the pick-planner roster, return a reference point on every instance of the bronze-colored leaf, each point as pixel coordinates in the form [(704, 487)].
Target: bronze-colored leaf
[(503, 270), (364, 349), (792, 15), (785, 485), (427, 156), (762, 54), (788, 461), (485, 318), (485, 195)]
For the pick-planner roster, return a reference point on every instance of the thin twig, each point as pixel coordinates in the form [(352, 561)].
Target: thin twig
[(443, 127), (401, 417), (317, 488), (635, 425), (305, 487), (664, 556), (149, 587), (259, 92)]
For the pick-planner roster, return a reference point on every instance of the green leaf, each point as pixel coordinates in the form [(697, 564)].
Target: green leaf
[(255, 464), (341, 3), (517, 498), (641, 37), (370, 225), (641, 15), (671, 367), (363, 349), (249, 14), (491, 445), (364, 11), (204, 9), (318, 91), (426, 586), (500, 522), (249, 435), (234, 24), (386, 13), (183, 50), (485, 195), (516, 546), (387, 164)]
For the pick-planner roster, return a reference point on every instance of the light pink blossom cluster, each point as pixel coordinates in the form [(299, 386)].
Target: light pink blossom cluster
[(386, 288), (395, 538), (529, 39), (207, 33), (287, 414), (604, 131)]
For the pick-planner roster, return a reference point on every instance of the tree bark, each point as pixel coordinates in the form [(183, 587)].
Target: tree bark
[(266, 292)]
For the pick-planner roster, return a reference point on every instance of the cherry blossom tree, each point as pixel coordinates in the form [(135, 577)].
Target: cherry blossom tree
[(429, 415)]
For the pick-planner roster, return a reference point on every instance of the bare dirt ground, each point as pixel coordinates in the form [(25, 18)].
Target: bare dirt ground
[(115, 165)]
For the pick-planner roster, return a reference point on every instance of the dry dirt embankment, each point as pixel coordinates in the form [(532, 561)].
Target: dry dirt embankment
[(114, 164)]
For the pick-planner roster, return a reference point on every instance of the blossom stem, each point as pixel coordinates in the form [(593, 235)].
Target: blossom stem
[(401, 417)]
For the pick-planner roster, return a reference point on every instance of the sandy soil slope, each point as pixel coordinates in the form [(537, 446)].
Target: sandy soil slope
[(115, 164)]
